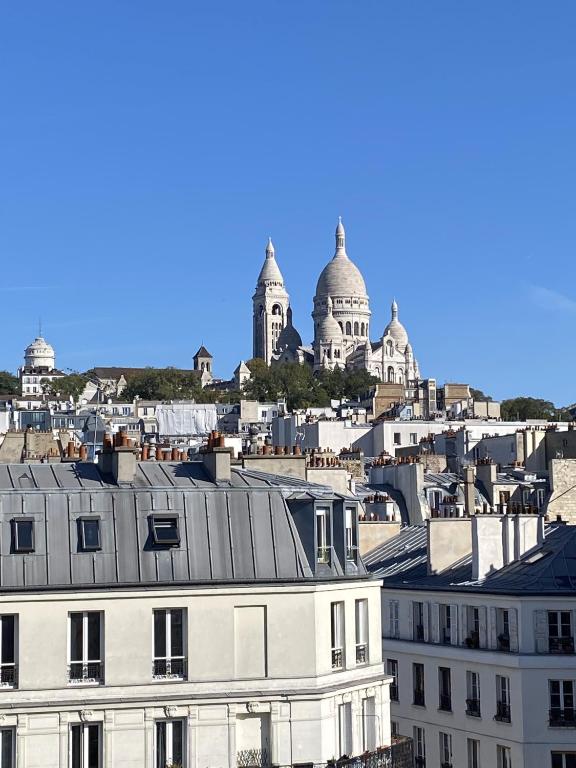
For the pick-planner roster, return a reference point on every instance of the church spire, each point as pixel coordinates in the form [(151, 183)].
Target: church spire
[(270, 248), (340, 239), (394, 310)]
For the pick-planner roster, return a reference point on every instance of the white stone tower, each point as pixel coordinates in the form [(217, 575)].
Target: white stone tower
[(270, 307)]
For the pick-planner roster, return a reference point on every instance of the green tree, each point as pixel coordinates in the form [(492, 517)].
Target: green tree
[(479, 396), (522, 408), (164, 384), (67, 387), (9, 384)]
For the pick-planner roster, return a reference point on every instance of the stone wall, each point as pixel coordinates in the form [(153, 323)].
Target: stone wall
[(562, 499)]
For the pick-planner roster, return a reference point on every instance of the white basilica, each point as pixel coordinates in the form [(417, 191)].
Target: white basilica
[(341, 317)]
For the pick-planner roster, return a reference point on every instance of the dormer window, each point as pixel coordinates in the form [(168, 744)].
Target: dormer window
[(322, 551), (23, 535), (89, 534), (164, 529)]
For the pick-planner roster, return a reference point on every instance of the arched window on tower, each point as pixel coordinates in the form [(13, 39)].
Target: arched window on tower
[(356, 329), (399, 376), (362, 329), (389, 348), (390, 374), (276, 309), (348, 329)]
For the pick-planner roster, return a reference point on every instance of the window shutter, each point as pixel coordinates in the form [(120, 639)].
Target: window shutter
[(541, 631), (492, 642), (463, 624), (483, 627), (411, 621), (453, 624), (513, 626), (435, 622), (426, 619)]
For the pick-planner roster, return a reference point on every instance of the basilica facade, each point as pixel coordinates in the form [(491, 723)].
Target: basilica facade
[(341, 315)]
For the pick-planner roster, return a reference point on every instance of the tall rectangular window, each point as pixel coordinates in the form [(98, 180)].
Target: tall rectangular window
[(502, 699), (560, 637), (7, 748), (362, 631), (473, 618), (369, 723), (337, 634), (445, 750), (392, 671), (23, 534), (418, 684), (85, 630), (169, 644), (350, 514), (502, 629), (444, 689), (503, 757), (8, 668), (473, 694), (418, 621), (345, 729), (322, 551), (393, 618), (419, 746), (562, 711), (85, 747), (473, 753), (446, 624), (170, 743)]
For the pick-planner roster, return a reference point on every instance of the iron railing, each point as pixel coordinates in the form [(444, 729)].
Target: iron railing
[(8, 675), (172, 668), (562, 718), (502, 712), (503, 642), (337, 658), (398, 755), (561, 644), (473, 707), (86, 672), (361, 653), (252, 758)]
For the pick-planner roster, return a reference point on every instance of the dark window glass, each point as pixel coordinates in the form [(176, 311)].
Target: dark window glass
[(7, 748), (93, 746), (23, 536), (7, 640), (177, 633), (160, 635), (93, 637), (177, 741), (76, 637), (76, 747), (160, 745), (165, 530), (90, 534)]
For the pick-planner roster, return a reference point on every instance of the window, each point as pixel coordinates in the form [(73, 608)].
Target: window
[(444, 689), (563, 759), (89, 534), (393, 608), (394, 728), (419, 747), (369, 722), (503, 757), (350, 514), (413, 438), (8, 669), (418, 621), (125, 410), (397, 438), (445, 750), (446, 624), (392, 671), (418, 684), (337, 634), (502, 699), (502, 629), (169, 743), (345, 729), (473, 694), (169, 653), (85, 745), (473, 753), (85, 647), (362, 631), (473, 618), (322, 552), (23, 534), (164, 529), (562, 703), (560, 639), (7, 748)]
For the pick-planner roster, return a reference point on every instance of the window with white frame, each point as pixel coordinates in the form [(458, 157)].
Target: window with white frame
[(8, 668), (393, 618), (170, 743), (322, 552), (345, 729), (419, 746), (337, 634), (502, 629), (446, 623), (350, 513), (560, 637), (502, 698), (392, 671), (418, 621), (361, 631), (562, 711), (369, 724), (563, 759), (169, 643), (445, 750), (473, 626), (472, 693), (473, 753), (85, 636), (503, 756), (85, 746)]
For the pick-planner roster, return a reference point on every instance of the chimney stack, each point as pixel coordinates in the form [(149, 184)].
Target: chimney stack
[(118, 460), (217, 463), (469, 491)]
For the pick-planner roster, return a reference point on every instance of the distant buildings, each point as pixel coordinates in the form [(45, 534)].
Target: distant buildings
[(39, 365)]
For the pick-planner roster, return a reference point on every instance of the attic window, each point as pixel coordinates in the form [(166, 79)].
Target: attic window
[(23, 534), (165, 530), (89, 534)]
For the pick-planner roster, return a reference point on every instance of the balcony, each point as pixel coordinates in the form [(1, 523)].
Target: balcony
[(398, 755), (445, 703), (562, 718), (8, 676), (419, 699), (86, 673), (502, 712), (503, 642), (473, 640), (561, 644), (337, 658), (169, 669), (252, 758), (361, 653), (473, 707)]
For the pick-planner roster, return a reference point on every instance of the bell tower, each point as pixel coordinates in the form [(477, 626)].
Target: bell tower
[(269, 307)]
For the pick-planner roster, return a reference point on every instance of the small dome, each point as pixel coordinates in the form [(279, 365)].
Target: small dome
[(270, 271), (341, 277), (289, 337), (329, 330), (396, 329), (39, 354)]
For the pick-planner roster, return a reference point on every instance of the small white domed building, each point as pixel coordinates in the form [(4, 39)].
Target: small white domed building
[(39, 365)]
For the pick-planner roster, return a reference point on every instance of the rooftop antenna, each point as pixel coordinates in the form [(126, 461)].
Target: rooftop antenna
[(40, 327)]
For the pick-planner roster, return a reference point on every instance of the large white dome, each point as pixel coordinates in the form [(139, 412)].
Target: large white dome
[(39, 354), (341, 277)]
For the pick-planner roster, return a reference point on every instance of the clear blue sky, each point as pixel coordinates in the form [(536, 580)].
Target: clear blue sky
[(148, 149)]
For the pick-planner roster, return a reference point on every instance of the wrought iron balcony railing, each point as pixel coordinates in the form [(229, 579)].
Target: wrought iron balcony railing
[(8, 676), (502, 712), (561, 644), (503, 642), (86, 672), (562, 718), (171, 668), (337, 658), (473, 707), (361, 653)]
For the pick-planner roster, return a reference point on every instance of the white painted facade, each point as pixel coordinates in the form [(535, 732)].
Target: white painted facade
[(260, 675)]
